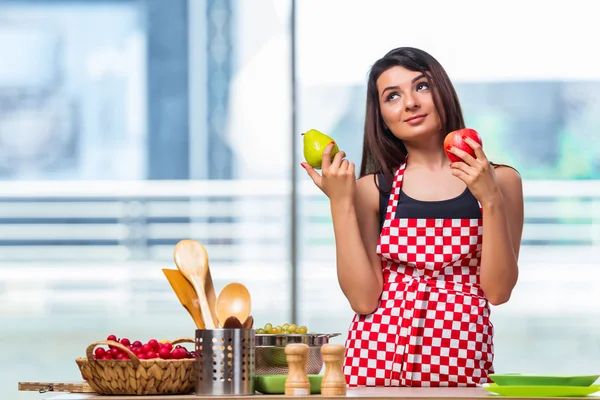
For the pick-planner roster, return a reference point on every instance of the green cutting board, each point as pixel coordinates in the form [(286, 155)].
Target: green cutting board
[(275, 384)]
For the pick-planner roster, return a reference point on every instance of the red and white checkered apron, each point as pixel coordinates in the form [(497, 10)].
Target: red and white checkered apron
[(432, 325)]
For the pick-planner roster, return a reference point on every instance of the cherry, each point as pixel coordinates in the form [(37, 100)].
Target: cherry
[(178, 354), (164, 353), (168, 346), (112, 338), (153, 343), (151, 354), (146, 348), (99, 352), (137, 343), (125, 342)]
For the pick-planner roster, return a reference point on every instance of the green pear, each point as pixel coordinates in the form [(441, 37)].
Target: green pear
[(314, 145)]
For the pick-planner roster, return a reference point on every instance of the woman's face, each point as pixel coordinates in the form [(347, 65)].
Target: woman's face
[(406, 104)]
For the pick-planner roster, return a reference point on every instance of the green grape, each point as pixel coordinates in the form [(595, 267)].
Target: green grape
[(302, 330), (285, 329)]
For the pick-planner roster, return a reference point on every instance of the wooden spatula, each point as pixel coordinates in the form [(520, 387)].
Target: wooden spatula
[(192, 260), (186, 294)]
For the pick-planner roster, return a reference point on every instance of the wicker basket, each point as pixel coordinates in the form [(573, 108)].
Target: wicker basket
[(135, 376)]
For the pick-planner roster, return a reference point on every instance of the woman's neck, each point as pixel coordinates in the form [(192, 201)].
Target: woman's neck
[(427, 155)]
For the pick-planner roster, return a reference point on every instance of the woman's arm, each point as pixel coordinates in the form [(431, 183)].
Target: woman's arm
[(502, 230), (500, 192), (355, 214), (356, 230)]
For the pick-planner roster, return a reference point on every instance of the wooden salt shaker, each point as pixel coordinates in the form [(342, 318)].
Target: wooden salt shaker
[(297, 383), (334, 382)]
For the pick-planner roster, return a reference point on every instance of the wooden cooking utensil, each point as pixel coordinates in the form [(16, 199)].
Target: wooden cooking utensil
[(186, 294), (44, 387), (234, 300), (192, 260), (248, 323), (232, 323)]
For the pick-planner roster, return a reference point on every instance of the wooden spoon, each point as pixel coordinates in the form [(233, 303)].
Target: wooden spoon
[(186, 294), (232, 323), (248, 323), (192, 260), (234, 300)]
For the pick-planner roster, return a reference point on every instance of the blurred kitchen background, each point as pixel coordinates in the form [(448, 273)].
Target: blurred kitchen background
[(128, 125)]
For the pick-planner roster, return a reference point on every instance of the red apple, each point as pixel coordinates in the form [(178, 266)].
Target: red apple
[(455, 139)]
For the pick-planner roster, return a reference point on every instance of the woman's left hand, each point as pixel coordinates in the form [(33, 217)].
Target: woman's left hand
[(477, 172)]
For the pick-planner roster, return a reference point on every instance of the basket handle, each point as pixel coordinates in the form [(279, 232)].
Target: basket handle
[(183, 340), (89, 352)]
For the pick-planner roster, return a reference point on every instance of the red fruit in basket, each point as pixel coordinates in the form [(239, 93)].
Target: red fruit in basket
[(112, 338), (455, 139), (154, 344), (142, 356), (125, 342), (107, 356), (151, 354), (137, 343), (114, 352), (99, 352), (168, 346), (178, 353), (164, 353), (146, 348)]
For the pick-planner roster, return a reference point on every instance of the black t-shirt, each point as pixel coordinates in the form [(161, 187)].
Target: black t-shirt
[(464, 206)]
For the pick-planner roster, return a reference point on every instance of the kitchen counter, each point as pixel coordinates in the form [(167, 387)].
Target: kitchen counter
[(377, 393)]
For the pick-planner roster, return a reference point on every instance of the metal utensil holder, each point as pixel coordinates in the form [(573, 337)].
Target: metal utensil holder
[(225, 362)]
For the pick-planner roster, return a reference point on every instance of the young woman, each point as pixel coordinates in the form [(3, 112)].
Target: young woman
[(423, 245)]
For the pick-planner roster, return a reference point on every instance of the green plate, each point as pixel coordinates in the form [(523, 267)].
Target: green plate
[(275, 384), (543, 380), (541, 391)]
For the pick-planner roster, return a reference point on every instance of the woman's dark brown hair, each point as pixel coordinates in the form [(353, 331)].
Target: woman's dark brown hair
[(382, 151)]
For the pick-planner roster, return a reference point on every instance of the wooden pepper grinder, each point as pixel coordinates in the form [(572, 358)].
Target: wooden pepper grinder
[(297, 383), (334, 382)]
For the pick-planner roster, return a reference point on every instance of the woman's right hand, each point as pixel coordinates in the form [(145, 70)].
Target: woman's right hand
[(337, 179)]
